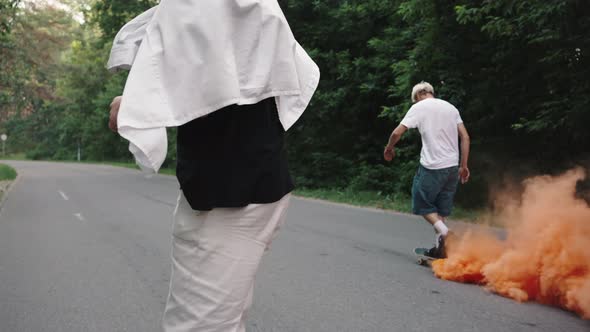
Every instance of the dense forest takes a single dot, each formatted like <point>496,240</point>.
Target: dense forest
<point>518,71</point>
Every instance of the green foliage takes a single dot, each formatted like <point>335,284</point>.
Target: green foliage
<point>517,70</point>
<point>7,172</point>
<point>541,46</point>
<point>8,9</point>
<point>111,15</point>
<point>380,200</point>
<point>73,111</point>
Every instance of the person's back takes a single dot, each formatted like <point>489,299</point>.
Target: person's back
<point>435,182</point>
<point>232,81</point>
<point>437,121</point>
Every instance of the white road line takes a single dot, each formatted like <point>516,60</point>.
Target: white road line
<point>79,216</point>
<point>63,195</point>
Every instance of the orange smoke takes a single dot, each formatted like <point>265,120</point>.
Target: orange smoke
<point>546,255</point>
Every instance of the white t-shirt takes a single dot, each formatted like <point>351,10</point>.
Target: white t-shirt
<point>437,122</point>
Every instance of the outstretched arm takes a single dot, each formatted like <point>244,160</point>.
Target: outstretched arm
<point>395,136</point>
<point>463,168</point>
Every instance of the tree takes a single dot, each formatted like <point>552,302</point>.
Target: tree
<point>38,34</point>
<point>111,15</point>
<point>517,70</point>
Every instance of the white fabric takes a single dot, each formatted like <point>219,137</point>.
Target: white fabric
<point>215,256</point>
<point>437,121</point>
<point>441,228</point>
<point>190,58</point>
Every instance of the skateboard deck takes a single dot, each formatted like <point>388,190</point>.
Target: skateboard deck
<point>422,258</point>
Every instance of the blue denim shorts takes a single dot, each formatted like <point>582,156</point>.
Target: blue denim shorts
<point>433,190</point>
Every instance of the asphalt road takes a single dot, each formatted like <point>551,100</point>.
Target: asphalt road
<point>86,248</point>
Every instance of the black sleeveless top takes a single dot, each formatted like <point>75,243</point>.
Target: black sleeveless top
<point>233,157</point>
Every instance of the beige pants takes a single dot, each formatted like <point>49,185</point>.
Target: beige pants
<point>215,256</point>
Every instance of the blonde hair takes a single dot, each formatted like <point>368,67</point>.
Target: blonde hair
<point>420,88</point>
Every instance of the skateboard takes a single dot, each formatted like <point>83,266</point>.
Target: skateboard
<point>422,258</point>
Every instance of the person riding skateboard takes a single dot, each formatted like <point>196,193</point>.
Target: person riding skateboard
<point>435,183</point>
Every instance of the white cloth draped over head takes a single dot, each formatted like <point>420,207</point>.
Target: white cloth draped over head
<point>188,58</point>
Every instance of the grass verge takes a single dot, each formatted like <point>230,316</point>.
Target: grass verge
<point>378,200</point>
<point>7,172</point>
<point>372,199</point>
<point>15,156</point>
<point>358,198</point>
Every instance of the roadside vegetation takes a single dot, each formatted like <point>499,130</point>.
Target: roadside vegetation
<point>517,71</point>
<point>7,173</point>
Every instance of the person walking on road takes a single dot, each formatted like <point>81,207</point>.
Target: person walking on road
<point>435,183</point>
<point>231,76</point>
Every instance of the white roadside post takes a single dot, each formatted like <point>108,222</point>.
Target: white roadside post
<point>3,137</point>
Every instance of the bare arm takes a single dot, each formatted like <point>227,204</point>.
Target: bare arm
<point>114,113</point>
<point>463,168</point>
<point>395,136</point>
